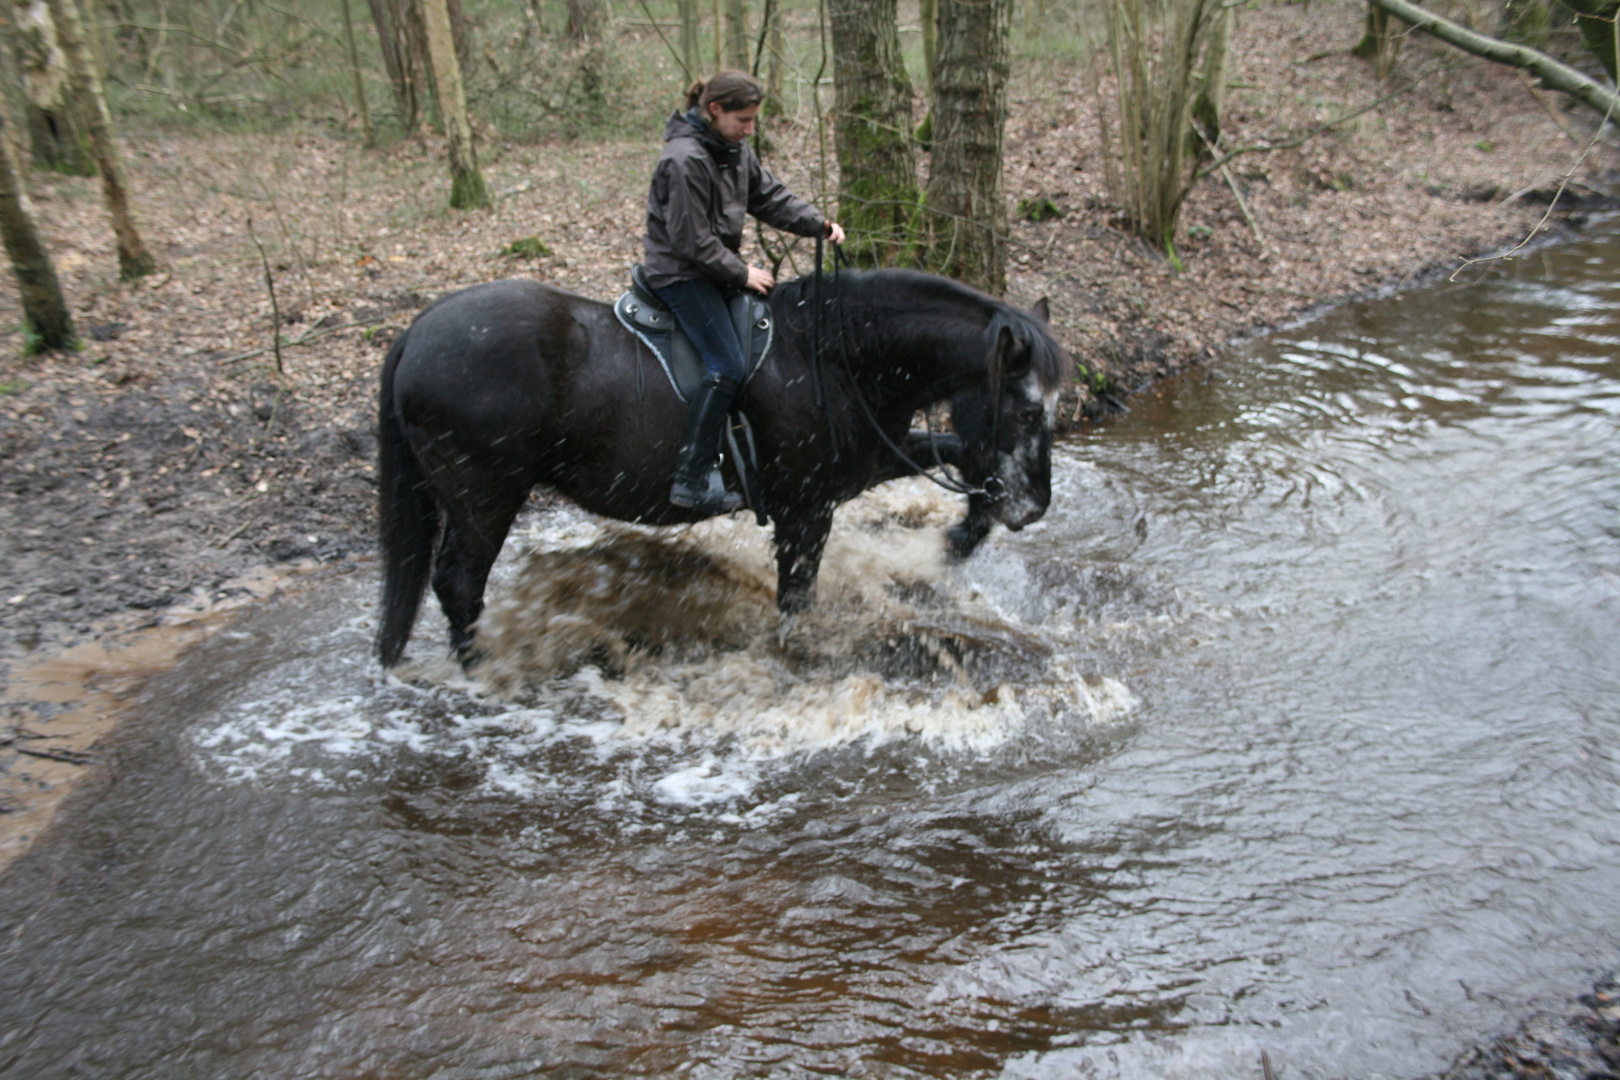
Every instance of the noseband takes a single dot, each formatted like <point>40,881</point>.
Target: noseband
<point>992,489</point>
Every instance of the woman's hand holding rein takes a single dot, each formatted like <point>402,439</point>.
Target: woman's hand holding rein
<point>763,281</point>
<point>760,279</point>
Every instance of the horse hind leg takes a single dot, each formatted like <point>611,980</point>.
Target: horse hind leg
<point>471,543</point>
<point>800,540</point>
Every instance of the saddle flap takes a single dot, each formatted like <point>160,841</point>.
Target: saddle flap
<point>644,292</point>
<point>655,325</point>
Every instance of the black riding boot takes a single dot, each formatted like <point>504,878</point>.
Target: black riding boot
<point>697,479</point>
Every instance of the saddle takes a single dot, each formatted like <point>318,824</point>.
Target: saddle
<point>642,313</point>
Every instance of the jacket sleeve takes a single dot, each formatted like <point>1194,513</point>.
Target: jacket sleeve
<point>771,202</point>
<point>693,236</point>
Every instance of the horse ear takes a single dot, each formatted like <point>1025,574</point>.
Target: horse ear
<point>1042,310</point>
<point>1012,354</point>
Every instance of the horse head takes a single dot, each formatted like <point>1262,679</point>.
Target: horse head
<point>1006,420</point>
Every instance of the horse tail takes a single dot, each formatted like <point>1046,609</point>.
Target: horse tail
<point>409,519</point>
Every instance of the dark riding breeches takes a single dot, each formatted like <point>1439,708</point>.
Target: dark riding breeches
<point>701,309</point>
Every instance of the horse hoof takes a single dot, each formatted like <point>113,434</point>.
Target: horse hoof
<point>465,651</point>
<point>961,541</point>
<point>785,628</point>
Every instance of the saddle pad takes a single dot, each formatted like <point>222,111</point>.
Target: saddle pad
<point>657,329</point>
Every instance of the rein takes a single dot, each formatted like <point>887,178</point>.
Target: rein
<point>992,488</point>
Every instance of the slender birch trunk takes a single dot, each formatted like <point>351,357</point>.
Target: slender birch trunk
<point>691,40</point>
<point>134,260</point>
<point>44,309</point>
<point>467,187</point>
<point>366,133</point>
<point>928,16</point>
<point>737,34</point>
<point>53,129</point>
<point>404,53</point>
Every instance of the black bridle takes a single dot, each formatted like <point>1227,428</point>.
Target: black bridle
<point>992,489</point>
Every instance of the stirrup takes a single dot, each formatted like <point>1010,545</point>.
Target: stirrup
<point>714,499</point>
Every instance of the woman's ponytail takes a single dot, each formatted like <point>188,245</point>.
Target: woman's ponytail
<point>734,90</point>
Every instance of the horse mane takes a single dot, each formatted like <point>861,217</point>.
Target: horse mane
<point>900,292</point>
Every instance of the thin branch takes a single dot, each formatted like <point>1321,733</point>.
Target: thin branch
<point>305,339</point>
<point>1237,193</point>
<point>275,309</point>
<point>1553,203</point>
<point>661,37</point>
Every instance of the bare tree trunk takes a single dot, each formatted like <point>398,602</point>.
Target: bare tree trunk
<point>12,95</point>
<point>1156,50</point>
<point>586,20</point>
<point>928,15</point>
<point>44,310</point>
<point>773,66</point>
<point>354,72</point>
<point>54,130</point>
<point>467,188</point>
<point>1380,42</point>
<point>1210,103</point>
<point>404,51</point>
<point>877,164</point>
<point>134,260</point>
<point>587,32</point>
<point>691,42</point>
<point>719,37</point>
<point>966,200</point>
<point>737,34</point>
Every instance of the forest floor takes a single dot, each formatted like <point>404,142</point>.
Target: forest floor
<point>169,471</point>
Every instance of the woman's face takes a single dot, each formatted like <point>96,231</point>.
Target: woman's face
<point>733,126</point>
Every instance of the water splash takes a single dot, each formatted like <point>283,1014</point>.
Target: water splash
<point>679,633</point>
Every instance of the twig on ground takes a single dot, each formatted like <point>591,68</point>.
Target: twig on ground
<point>275,309</point>
<point>238,531</point>
<point>305,339</point>
<point>70,757</point>
<point>1243,204</point>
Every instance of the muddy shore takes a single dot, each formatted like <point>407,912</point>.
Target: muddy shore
<point>169,472</point>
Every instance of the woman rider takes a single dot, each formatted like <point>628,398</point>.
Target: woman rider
<point>707,178</point>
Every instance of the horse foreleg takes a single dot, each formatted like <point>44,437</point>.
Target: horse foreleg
<point>472,541</point>
<point>964,537</point>
<point>800,539</point>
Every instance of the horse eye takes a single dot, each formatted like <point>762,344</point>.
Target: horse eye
<point>1033,415</point>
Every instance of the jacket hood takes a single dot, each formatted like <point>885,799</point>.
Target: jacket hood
<point>691,125</point>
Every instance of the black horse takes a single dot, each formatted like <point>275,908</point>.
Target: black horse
<point>503,386</point>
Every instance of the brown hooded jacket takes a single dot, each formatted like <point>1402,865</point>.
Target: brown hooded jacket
<point>701,188</point>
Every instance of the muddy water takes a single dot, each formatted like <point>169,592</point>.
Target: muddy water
<point>1291,729</point>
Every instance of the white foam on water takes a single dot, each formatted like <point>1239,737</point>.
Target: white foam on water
<point>677,633</point>
<point>651,660</point>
